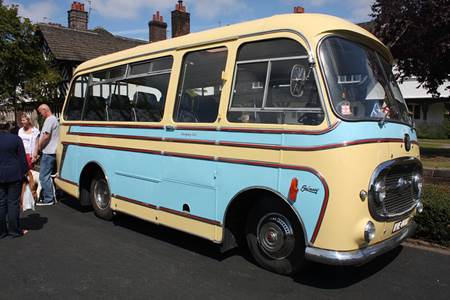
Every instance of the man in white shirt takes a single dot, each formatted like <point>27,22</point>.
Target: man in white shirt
<point>48,142</point>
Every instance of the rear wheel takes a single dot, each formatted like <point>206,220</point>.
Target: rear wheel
<point>101,197</point>
<point>275,238</point>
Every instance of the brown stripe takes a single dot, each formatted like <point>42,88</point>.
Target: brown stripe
<point>210,128</point>
<point>134,201</point>
<point>114,148</point>
<point>246,145</point>
<point>168,210</point>
<point>286,131</point>
<point>228,160</point>
<point>117,136</point>
<point>188,215</point>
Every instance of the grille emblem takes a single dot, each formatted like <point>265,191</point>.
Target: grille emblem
<point>403,184</point>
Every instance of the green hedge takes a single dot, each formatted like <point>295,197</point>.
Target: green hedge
<point>434,222</point>
<point>434,131</point>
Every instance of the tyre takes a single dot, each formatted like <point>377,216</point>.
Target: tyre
<point>101,197</point>
<point>275,237</point>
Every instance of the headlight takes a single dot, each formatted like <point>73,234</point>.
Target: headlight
<point>380,192</point>
<point>417,180</point>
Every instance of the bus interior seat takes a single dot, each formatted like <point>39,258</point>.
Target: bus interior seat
<point>75,108</point>
<point>185,112</point>
<point>119,108</point>
<point>95,109</point>
<point>206,109</point>
<point>146,107</point>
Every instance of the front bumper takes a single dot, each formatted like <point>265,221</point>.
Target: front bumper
<point>360,256</point>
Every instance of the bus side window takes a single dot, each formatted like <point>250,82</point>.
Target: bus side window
<point>200,86</point>
<point>95,106</point>
<point>75,101</point>
<point>274,84</point>
<point>140,99</point>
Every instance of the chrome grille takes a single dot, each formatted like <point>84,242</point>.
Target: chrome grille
<point>400,194</point>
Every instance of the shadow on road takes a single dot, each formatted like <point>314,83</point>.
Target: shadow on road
<point>33,221</point>
<point>173,237</point>
<point>313,274</point>
<point>74,203</point>
<point>337,277</point>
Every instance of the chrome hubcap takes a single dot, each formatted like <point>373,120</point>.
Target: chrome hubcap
<point>275,236</point>
<point>101,193</point>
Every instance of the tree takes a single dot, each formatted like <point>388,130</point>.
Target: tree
<point>418,35</point>
<point>24,72</point>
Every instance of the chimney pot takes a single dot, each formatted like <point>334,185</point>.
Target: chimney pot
<point>181,20</point>
<point>299,10</point>
<point>157,28</point>
<point>77,17</point>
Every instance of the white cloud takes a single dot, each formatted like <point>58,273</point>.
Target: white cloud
<point>37,12</point>
<point>210,9</point>
<point>128,9</point>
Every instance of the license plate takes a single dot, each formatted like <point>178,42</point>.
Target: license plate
<point>400,224</point>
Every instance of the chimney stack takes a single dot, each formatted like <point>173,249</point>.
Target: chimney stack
<point>78,18</point>
<point>181,20</point>
<point>157,28</point>
<point>299,10</point>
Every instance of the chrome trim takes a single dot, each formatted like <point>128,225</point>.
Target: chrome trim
<point>279,109</point>
<point>360,256</point>
<point>384,167</point>
<point>250,61</point>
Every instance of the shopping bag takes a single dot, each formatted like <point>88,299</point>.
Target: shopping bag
<point>27,198</point>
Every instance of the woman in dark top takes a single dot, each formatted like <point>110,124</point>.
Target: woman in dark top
<point>13,167</point>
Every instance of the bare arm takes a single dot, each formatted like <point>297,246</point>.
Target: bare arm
<point>43,140</point>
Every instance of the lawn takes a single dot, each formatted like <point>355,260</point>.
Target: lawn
<point>435,161</point>
<point>435,144</point>
<point>435,153</point>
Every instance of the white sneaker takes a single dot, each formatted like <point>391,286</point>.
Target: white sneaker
<point>45,203</point>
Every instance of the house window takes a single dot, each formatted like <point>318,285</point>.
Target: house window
<point>415,110</point>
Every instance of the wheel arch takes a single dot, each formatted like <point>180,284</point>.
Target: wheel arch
<point>86,175</point>
<point>238,209</point>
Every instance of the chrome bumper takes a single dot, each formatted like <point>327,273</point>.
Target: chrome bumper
<point>361,256</point>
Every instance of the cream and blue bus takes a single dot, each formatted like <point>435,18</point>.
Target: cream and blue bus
<point>287,135</point>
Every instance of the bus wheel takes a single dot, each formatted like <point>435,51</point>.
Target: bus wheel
<point>101,197</point>
<point>275,238</point>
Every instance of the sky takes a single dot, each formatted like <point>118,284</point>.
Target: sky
<point>130,18</point>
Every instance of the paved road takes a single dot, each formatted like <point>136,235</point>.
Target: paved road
<point>69,253</point>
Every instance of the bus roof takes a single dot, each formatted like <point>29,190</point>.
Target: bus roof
<point>311,26</point>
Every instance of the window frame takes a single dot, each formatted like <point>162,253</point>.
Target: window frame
<point>114,81</point>
<point>181,81</point>
<point>269,61</point>
<point>83,97</point>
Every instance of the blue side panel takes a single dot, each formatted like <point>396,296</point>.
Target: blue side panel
<point>346,131</point>
<point>310,196</point>
<point>208,186</point>
<point>70,168</point>
<point>234,178</point>
<point>188,181</point>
